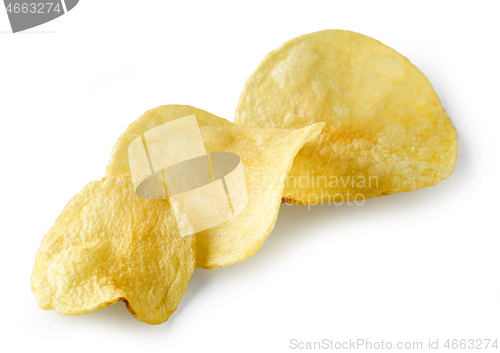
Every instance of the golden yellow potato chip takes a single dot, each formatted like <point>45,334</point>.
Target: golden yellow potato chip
<point>385,132</point>
<point>266,155</point>
<point>109,245</point>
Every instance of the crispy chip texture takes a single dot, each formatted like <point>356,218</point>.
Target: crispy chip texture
<point>109,245</point>
<point>267,156</point>
<point>385,132</point>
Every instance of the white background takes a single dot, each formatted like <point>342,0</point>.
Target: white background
<point>407,267</point>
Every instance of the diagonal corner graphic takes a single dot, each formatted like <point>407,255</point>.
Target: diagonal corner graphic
<point>25,14</point>
<point>204,189</point>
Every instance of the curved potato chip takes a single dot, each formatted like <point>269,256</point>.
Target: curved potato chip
<point>267,156</point>
<point>109,245</point>
<point>385,131</point>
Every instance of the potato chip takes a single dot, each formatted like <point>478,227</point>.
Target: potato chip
<point>109,245</point>
<point>266,155</point>
<point>385,131</point>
